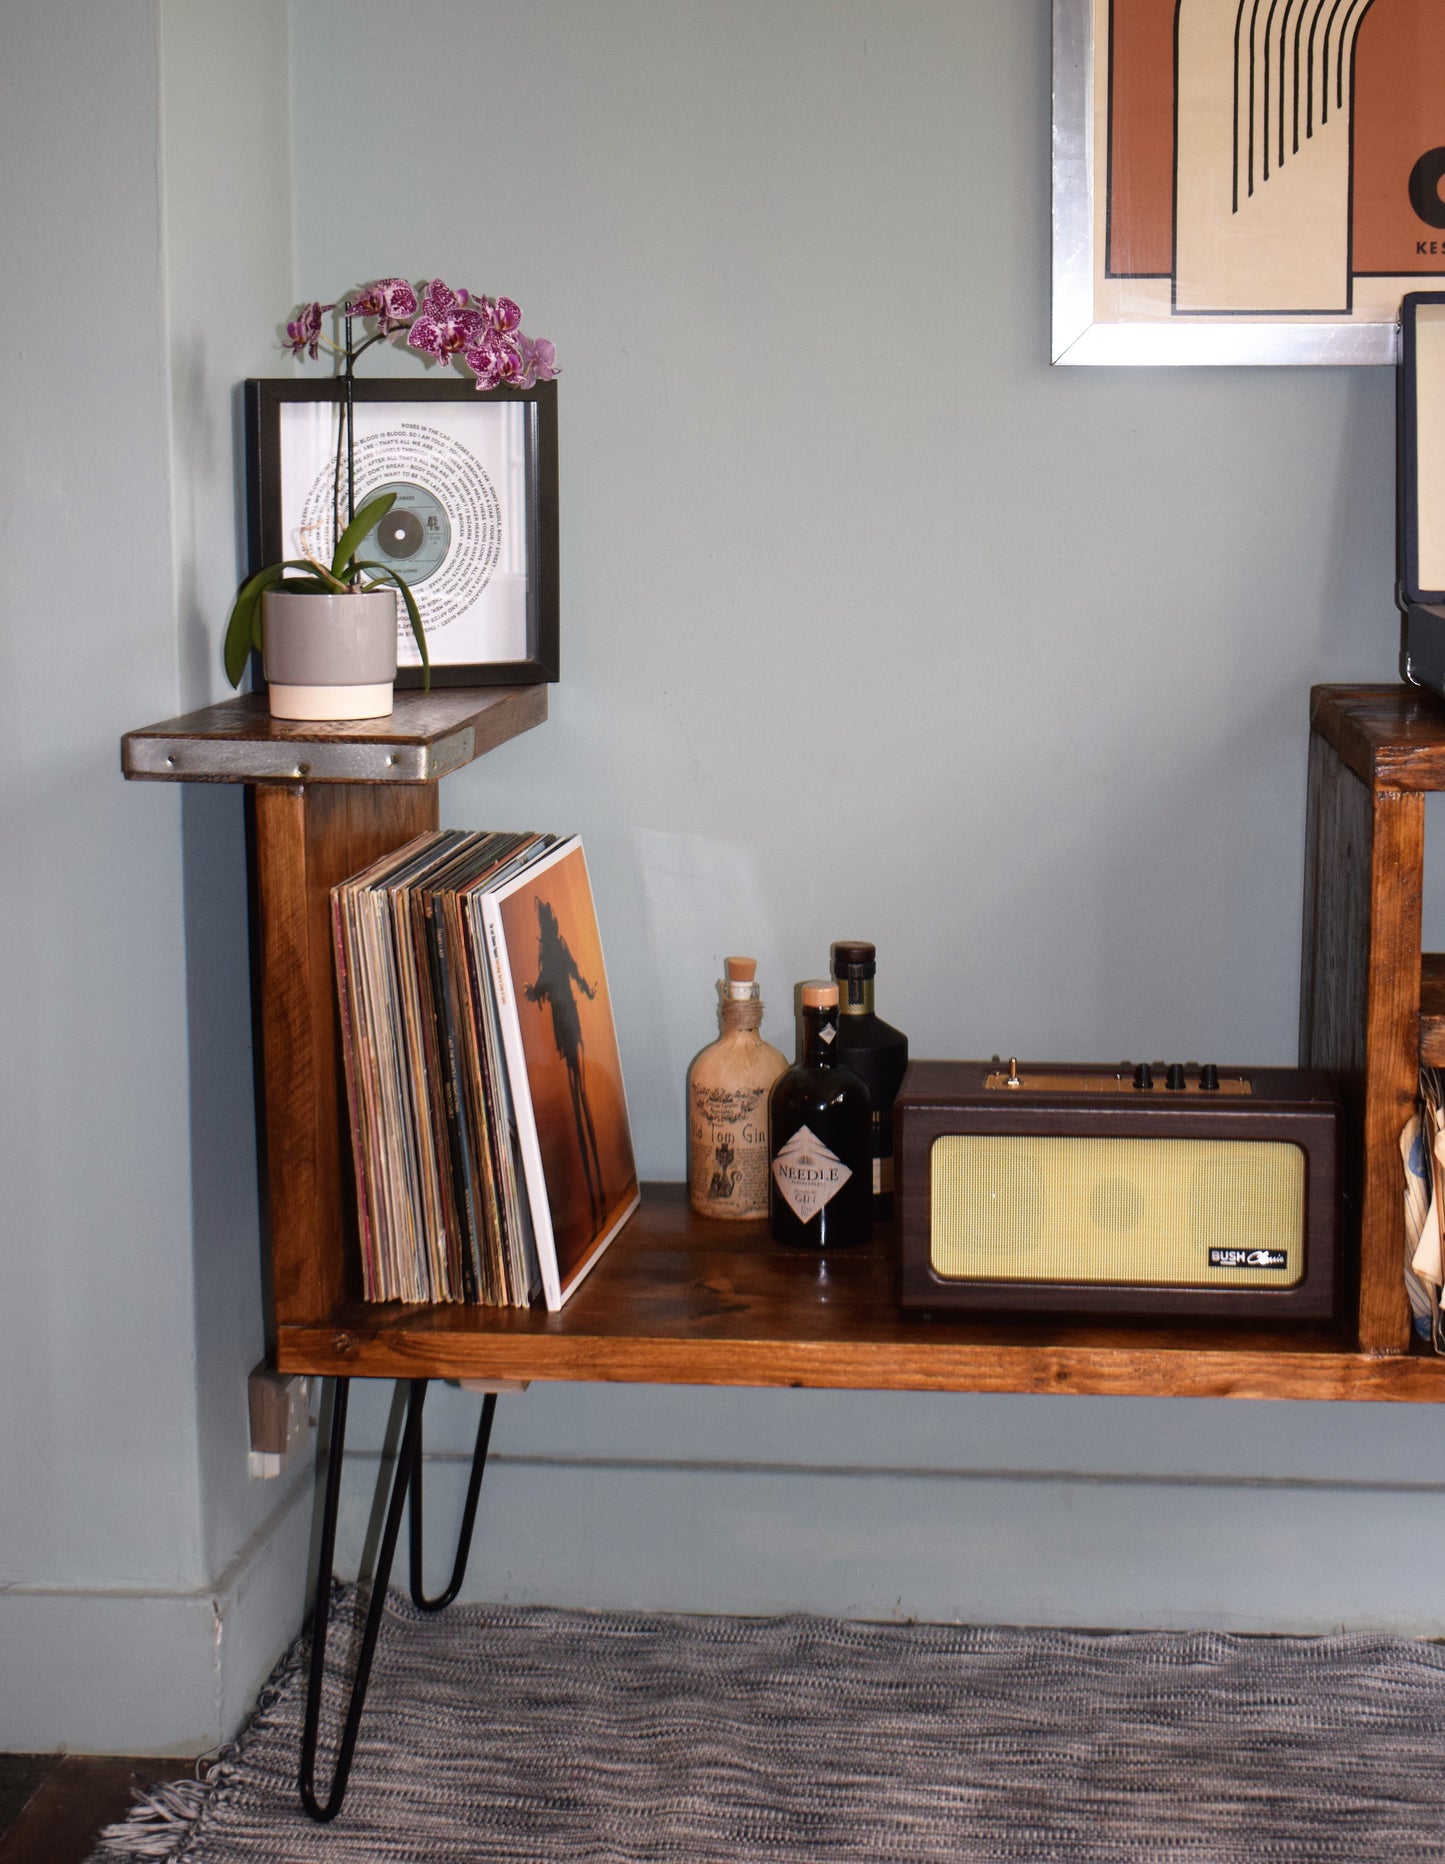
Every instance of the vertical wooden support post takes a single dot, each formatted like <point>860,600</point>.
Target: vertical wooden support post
<point>1360,1005</point>
<point>307,838</point>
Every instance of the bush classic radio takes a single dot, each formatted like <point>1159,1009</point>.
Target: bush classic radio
<point>1147,1190</point>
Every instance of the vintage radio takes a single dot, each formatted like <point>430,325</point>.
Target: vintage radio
<point>1148,1189</point>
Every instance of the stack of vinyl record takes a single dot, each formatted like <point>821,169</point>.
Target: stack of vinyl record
<point>489,1127</point>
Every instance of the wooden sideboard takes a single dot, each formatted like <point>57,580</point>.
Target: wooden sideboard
<point>677,1299</point>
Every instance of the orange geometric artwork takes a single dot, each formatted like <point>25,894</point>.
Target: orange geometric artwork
<point>1266,159</point>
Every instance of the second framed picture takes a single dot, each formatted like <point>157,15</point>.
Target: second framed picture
<point>473,528</point>
<point>1244,183</point>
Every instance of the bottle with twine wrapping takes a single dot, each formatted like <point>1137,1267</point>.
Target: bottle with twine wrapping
<point>727,1104</point>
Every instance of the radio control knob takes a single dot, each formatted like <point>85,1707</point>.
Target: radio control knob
<point>1209,1078</point>
<point>1174,1079</point>
<point>1143,1077</point>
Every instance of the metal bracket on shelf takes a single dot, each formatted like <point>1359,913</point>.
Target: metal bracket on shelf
<point>406,1480</point>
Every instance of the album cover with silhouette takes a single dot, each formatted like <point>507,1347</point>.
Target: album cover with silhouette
<point>563,1066</point>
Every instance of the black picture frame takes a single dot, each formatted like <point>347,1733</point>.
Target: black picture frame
<point>273,489</point>
<point>1411,417</point>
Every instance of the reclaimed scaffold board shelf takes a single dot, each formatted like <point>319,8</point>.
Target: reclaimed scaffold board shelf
<point>677,1299</point>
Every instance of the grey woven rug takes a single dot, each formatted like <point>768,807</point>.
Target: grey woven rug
<point>524,1736</point>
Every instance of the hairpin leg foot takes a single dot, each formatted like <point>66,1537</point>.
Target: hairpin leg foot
<point>406,1463</point>
<point>469,1516</point>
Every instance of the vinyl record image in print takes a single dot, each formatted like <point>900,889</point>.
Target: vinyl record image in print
<point>414,536</point>
<point>444,534</point>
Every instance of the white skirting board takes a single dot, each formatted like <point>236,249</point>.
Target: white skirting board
<point>153,1672</point>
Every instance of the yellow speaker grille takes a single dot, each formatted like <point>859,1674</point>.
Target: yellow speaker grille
<point>1204,1213</point>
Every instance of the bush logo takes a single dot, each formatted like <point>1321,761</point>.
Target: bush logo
<point>1249,1258</point>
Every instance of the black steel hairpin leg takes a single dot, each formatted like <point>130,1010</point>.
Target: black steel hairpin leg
<point>469,1517</point>
<point>406,1462</point>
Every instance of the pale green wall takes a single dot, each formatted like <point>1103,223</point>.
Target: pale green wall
<point>146,1583</point>
<point>875,625</point>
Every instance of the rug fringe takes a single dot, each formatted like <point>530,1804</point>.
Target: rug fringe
<point>160,1823</point>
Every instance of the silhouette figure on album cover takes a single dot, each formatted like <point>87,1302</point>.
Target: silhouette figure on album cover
<point>557,972</point>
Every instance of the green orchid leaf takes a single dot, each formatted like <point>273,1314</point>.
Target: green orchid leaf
<point>243,628</point>
<point>237,649</point>
<point>385,574</point>
<point>367,519</point>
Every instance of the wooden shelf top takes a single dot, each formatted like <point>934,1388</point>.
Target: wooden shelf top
<point>681,1300</point>
<point>427,736</point>
<point>1392,737</point>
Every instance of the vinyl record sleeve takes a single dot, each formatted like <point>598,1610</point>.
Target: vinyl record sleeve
<point>392,1207</point>
<point>565,1070</point>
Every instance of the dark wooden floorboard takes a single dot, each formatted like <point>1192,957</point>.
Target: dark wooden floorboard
<point>52,1806</point>
<point>20,1774</point>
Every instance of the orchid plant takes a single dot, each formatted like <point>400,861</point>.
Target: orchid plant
<point>348,574</point>
<point>482,335</point>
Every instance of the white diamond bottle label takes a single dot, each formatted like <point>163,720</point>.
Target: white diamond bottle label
<point>807,1174</point>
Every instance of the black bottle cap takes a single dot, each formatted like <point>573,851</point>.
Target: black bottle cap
<point>854,957</point>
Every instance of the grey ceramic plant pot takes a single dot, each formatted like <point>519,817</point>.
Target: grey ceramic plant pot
<point>329,656</point>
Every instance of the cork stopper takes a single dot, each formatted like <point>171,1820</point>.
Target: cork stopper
<point>820,995</point>
<point>738,983</point>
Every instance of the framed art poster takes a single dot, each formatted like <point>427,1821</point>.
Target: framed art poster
<point>473,529</point>
<point>1244,181</point>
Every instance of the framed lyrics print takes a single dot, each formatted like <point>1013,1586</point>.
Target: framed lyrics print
<point>473,529</point>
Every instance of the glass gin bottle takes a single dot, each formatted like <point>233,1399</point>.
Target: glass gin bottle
<point>822,1164</point>
<point>875,1051</point>
<point>727,1103</point>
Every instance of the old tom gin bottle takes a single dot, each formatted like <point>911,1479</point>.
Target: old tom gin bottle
<point>727,1104</point>
<point>822,1170</point>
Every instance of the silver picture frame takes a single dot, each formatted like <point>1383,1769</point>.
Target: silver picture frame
<point>1081,333</point>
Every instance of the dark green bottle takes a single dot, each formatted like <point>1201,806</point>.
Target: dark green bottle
<point>820,1139</point>
<point>875,1051</point>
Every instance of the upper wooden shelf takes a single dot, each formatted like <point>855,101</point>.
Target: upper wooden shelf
<point>427,736</point>
<point>678,1299</point>
<point>1392,737</point>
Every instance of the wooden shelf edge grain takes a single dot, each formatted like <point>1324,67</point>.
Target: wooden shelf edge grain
<point>680,1301</point>
<point>1391,737</point>
<point>427,736</point>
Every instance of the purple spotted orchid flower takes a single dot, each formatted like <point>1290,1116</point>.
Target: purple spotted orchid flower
<point>391,301</point>
<point>539,360</point>
<point>448,324</point>
<point>491,360</point>
<point>482,335</point>
<point>504,316</point>
<point>303,333</point>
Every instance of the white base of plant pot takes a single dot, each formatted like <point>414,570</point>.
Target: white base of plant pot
<point>330,702</point>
